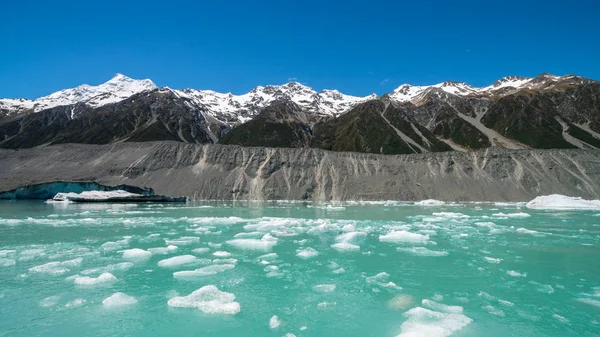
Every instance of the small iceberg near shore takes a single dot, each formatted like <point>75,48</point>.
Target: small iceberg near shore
<point>562,202</point>
<point>112,196</point>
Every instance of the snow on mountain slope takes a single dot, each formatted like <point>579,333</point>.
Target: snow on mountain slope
<point>239,108</point>
<point>505,85</point>
<point>117,89</point>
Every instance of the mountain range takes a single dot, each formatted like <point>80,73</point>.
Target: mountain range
<point>514,112</point>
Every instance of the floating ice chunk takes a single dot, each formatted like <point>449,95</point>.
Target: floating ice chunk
<point>31,254</point>
<point>250,235</point>
<point>433,305</point>
<point>429,202</point>
<point>492,260</point>
<point>270,256</point>
<point>118,299</point>
<point>7,252</point>
<point>561,202</point>
<point>76,303</point>
<point>163,250</point>
<point>110,268</point>
<point>307,253</point>
<point>103,278</point>
<point>437,297</point>
<point>353,237</point>
<point>527,231</point>
<point>114,245</point>
<point>422,322</point>
<point>324,288</point>
<point>177,261</point>
<point>208,299</point>
<point>50,301</point>
<point>274,322</point>
<point>339,271</point>
<point>215,245</point>
<point>348,228</point>
<point>422,251</point>
<point>345,247</point>
<point>201,251</point>
<point>7,262</point>
<point>204,271</point>
<point>289,334</point>
<point>515,273</point>
<point>493,310</point>
<point>543,288</point>
<point>264,244</point>
<point>182,241</point>
<point>225,261</point>
<point>512,215</point>
<point>57,268</point>
<point>136,254</point>
<point>506,303</point>
<point>560,318</point>
<point>589,301</point>
<point>94,195</point>
<point>221,254</point>
<point>485,224</point>
<point>400,302</point>
<point>326,306</point>
<point>451,215</point>
<point>303,328</point>
<point>403,237</point>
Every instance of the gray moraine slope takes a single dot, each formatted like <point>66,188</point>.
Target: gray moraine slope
<point>233,172</point>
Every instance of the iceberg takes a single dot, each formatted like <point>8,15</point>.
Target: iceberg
<point>562,202</point>
<point>112,196</point>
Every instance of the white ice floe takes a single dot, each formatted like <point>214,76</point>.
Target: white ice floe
<point>221,254</point>
<point>422,322</point>
<point>268,257</point>
<point>118,299</point>
<point>400,302</point>
<point>4,262</point>
<point>307,253</point>
<point>381,280</point>
<point>76,303</point>
<point>493,310</point>
<point>264,244</point>
<point>7,252</point>
<point>208,299</point>
<point>163,250</point>
<point>345,247</point>
<point>422,251</point>
<point>104,278</point>
<point>527,231</point>
<point>182,241</point>
<point>561,202</point>
<point>50,301</point>
<point>429,202</point>
<point>403,237</point>
<point>177,261</point>
<point>201,251</point>
<point>492,260</point>
<point>515,273</point>
<point>451,215</point>
<point>512,215</point>
<point>560,318</point>
<point>110,268</point>
<point>590,301</point>
<point>339,271</point>
<point>57,268</point>
<point>114,245</point>
<point>136,254</point>
<point>204,271</point>
<point>274,322</point>
<point>324,288</point>
<point>326,306</point>
<point>450,309</point>
<point>94,195</point>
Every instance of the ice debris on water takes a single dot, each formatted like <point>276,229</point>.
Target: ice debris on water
<point>208,299</point>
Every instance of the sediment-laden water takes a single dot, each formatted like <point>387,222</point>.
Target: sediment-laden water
<point>279,268</point>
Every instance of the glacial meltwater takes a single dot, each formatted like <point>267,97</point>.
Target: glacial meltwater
<point>298,269</point>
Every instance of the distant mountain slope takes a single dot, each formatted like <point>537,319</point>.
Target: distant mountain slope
<point>515,113</point>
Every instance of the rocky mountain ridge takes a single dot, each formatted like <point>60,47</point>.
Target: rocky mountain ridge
<point>515,113</point>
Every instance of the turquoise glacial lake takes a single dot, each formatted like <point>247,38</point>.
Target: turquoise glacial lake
<point>298,269</point>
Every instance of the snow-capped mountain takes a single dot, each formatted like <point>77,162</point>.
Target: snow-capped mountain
<point>503,86</point>
<point>116,89</point>
<point>240,108</point>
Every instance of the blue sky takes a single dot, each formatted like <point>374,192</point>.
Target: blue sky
<point>358,47</point>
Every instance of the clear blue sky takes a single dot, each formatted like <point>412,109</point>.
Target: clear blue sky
<point>358,47</point>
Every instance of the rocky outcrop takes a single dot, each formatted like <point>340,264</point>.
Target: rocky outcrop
<point>233,172</point>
